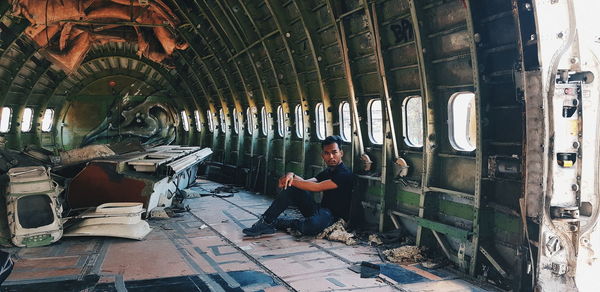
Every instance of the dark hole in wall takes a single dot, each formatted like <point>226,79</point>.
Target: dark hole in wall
<point>35,211</point>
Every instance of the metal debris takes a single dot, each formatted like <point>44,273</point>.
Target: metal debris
<point>405,254</point>
<point>337,232</point>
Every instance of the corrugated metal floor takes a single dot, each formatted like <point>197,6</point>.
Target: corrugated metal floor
<point>204,250</point>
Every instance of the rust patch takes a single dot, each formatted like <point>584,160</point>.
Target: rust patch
<point>99,183</point>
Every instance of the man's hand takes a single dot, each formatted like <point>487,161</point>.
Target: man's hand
<point>286,180</point>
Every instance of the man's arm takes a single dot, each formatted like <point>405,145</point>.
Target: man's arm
<point>312,185</point>
<point>286,180</point>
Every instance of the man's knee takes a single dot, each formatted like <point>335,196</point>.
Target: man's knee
<point>291,192</point>
<point>315,224</point>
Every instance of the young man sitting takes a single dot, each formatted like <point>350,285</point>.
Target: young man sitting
<point>336,184</point>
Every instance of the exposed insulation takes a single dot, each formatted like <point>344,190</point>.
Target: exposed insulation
<point>337,232</point>
<point>66,30</point>
<point>405,254</point>
<point>375,240</point>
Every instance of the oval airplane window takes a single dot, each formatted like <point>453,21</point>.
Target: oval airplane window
<point>47,120</point>
<point>280,122</point>
<point>250,119</point>
<point>222,120</point>
<point>197,120</point>
<point>462,129</point>
<point>412,116</point>
<point>185,122</point>
<point>299,121</point>
<point>27,120</point>
<point>375,121</point>
<point>345,121</point>
<point>211,121</point>
<point>264,121</point>
<point>5,119</point>
<point>320,120</point>
<point>236,121</point>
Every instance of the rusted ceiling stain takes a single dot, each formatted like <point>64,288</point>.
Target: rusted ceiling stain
<point>65,30</point>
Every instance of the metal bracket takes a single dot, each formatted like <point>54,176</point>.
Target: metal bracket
<point>564,213</point>
<point>559,269</point>
<point>553,245</point>
<point>493,261</point>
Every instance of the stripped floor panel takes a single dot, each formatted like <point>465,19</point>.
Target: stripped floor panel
<point>204,250</point>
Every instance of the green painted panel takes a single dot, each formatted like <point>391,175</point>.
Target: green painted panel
<point>444,228</point>
<point>374,189</point>
<point>456,209</point>
<point>408,198</point>
<point>506,222</point>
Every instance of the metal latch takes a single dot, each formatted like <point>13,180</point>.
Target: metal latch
<point>565,213</point>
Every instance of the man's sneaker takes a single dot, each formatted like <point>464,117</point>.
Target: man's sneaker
<point>261,227</point>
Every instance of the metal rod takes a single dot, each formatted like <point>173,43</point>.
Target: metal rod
<point>381,66</point>
<point>353,106</point>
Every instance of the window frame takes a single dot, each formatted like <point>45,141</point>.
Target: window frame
<point>236,121</point>
<point>320,129</point>
<point>405,129</point>
<point>264,121</point>
<point>222,120</point>
<point>299,121</point>
<point>370,121</point>
<point>451,131</point>
<point>23,122</point>
<point>8,121</point>
<point>197,121</point>
<point>185,122</point>
<point>280,121</point>
<point>48,129</point>
<point>210,120</point>
<point>250,119</point>
<point>342,121</point>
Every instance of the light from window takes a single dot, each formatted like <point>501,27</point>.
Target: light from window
<point>210,120</point>
<point>250,119</point>
<point>5,119</point>
<point>197,120</point>
<point>27,120</point>
<point>222,120</point>
<point>462,121</point>
<point>236,124</point>
<point>412,111</point>
<point>320,120</point>
<point>299,121</point>
<point>280,123</point>
<point>375,122</point>
<point>264,121</point>
<point>47,120</point>
<point>345,121</point>
<point>185,122</point>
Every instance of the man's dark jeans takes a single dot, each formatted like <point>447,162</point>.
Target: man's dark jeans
<point>315,218</point>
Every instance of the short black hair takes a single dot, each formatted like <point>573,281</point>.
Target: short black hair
<point>330,140</point>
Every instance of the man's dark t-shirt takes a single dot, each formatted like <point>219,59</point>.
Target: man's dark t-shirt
<point>338,200</point>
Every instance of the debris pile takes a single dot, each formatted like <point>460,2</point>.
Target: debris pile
<point>105,197</point>
<point>337,232</point>
<point>375,240</point>
<point>405,254</point>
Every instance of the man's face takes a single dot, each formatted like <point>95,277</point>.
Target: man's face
<point>332,154</point>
